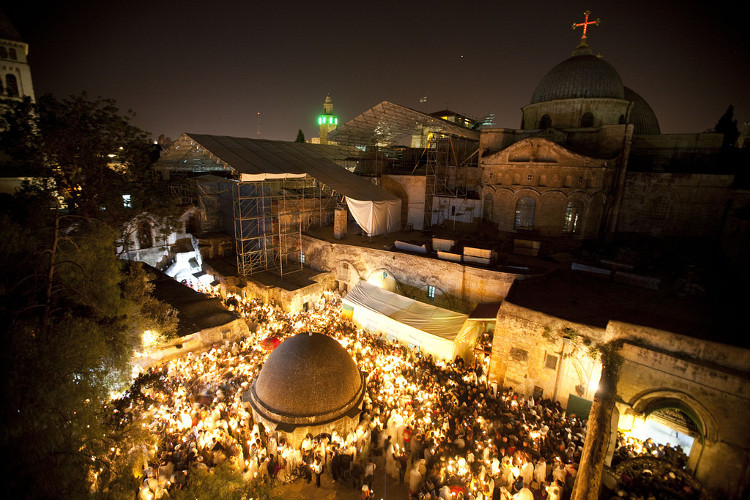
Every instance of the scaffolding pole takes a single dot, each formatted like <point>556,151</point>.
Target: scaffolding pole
<point>269,217</point>
<point>444,156</point>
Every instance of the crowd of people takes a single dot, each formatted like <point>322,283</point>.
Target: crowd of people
<point>434,425</point>
<point>631,447</point>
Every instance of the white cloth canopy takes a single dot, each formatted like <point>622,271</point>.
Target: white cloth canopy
<point>376,217</point>
<point>433,329</point>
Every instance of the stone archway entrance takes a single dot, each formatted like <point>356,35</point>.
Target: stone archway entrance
<point>675,410</point>
<point>679,427</point>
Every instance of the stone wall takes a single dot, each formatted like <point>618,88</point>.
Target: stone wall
<point>666,204</point>
<point>198,341</point>
<point>457,287</point>
<point>567,113</point>
<point>717,397</point>
<point>411,190</point>
<point>660,370</point>
<point>670,145</point>
<point>290,300</point>
<point>525,345</point>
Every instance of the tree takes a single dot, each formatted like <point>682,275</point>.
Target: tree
<point>727,125</point>
<point>300,136</point>
<point>85,150</point>
<point>223,481</point>
<point>589,477</point>
<point>68,345</point>
<point>598,429</point>
<point>72,315</point>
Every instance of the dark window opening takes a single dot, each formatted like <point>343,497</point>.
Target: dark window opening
<point>587,120</point>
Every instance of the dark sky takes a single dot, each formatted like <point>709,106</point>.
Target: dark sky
<point>210,67</point>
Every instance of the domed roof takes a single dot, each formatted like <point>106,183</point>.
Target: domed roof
<point>308,379</point>
<point>581,75</point>
<point>642,116</point>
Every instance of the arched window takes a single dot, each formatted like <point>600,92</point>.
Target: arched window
<point>621,121</point>
<point>573,217</point>
<point>145,237</point>
<point>587,120</point>
<point>12,53</point>
<point>487,207</point>
<point>3,53</point>
<point>11,85</point>
<point>525,209</point>
<point>545,122</point>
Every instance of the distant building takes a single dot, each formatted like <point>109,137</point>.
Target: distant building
<point>327,122</point>
<point>15,72</point>
<point>15,84</point>
<point>590,160</point>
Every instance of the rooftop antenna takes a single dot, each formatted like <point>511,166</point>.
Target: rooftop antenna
<point>258,133</point>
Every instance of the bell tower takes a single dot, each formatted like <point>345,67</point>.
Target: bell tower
<point>15,72</point>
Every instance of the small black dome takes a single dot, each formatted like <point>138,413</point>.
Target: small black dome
<point>642,116</point>
<point>581,75</point>
<point>309,378</point>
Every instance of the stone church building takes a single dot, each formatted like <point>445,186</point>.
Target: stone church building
<point>589,160</point>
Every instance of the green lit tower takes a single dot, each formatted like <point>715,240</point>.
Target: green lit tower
<point>327,121</point>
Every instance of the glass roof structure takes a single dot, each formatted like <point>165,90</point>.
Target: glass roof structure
<point>386,124</point>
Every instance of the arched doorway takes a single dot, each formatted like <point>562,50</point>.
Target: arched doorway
<point>668,417</point>
<point>668,429</point>
<point>573,217</point>
<point>658,445</point>
<point>145,235</point>
<point>384,279</point>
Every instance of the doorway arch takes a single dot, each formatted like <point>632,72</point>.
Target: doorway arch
<point>652,405</point>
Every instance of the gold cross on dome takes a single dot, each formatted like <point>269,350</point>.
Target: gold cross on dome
<point>585,25</point>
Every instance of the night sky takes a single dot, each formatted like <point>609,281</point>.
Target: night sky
<point>210,67</point>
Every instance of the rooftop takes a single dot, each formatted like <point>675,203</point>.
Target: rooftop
<point>308,379</point>
<point>227,266</point>
<point>196,311</point>
<point>387,124</point>
<point>582,298</point>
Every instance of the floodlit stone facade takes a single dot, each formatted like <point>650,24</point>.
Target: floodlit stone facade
<point>537,353</point>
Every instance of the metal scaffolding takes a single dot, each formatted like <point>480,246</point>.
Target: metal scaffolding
<point>269,217</point>
<point>444,154</point>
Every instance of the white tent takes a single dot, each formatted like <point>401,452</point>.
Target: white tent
<point>432,329</point>
<point>376,217</point>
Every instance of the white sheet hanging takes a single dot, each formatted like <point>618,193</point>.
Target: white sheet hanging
<point>376,217</point>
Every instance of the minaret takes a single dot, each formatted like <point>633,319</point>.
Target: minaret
<point>15,80</point>
<point>327,121</point>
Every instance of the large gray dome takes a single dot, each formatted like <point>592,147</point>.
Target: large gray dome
<point>308,379</point>
<point>581,75</point>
